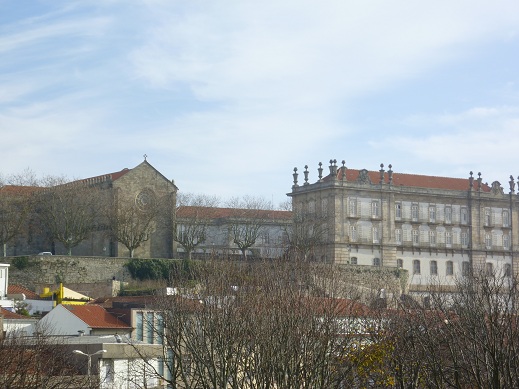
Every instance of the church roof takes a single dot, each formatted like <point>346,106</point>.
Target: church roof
<point>104,177</point>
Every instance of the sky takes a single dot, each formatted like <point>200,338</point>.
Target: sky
<point>227,97</point>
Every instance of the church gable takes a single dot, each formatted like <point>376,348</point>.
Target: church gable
<point>144,177</point>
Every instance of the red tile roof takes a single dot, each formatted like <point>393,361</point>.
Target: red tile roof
<point>7,314</point>
<point>18,289</point>
<point>108,302</point>
<point>19,189</point>
<point>104,177</point>
<point>414,180</point>
<point>96,316</point>
<point>217,213</point>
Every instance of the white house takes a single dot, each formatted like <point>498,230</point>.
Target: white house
<point>89,319</point>
<point>5,302</point>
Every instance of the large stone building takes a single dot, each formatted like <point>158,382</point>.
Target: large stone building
<point>225,230</point>
<point>436,228</point>
<point>130,191</point>
<point>121,201</point>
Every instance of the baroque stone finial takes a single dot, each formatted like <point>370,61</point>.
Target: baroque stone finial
<point>381,173</point>
<point>343,170</point>
<point>512,184</point>
<point>295,178</point>
<point>333,168</point>
<point>306,175</point>
<point>479,180</point>
<point>320,170</point>
<point>390,174</point>
<point>471,180</point>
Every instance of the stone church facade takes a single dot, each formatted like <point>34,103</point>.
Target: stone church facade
<point>140,185</point>
<point>436,228</point>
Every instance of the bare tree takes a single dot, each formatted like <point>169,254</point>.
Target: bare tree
<point>469,337</point>
<point>14,210</point>
<point>306,233</point>
<point>132,222</point>
<point>15,205</point>
<point>194,214</point>
<point>259,325</point>
<point>69,212</point>
<point>247,223</point>
<point>35,362</point>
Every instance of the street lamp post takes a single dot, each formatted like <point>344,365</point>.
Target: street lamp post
<point>89,356</point>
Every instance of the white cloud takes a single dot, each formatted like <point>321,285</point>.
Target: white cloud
<point>480,139</point>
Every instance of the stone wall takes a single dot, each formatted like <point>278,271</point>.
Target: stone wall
<point>35,271</point>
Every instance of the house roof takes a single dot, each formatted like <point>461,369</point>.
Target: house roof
<point>124,301</point>
<point>95,316</point>
<point>217,213</point>
<point>413,180</point>
<point>7,314</point>
<point>18,289</point>
<point>341,307</point>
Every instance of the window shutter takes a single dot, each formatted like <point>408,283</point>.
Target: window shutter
<point>407,234</point>
<point>406,210</point>
<point>423,212</point>
<point>439,212</point>
<point>365,210</point>
<point>440,236</point>
<point>497,217</point>
<point>456,236</point>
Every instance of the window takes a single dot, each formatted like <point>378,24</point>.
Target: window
<point>506,219</point>
<point>160,329</point>
<point>398,236</point>
<point>376,261</point>
<point>398,210</point>
<point>506,242</point>
<point>414,212</point>
<point>464,216</point>
<point>432,238</point>
<point>353,260</point>
<point>464,239</point>
<point>375,211</point>
<point>434,268</point>
<point>416,266</point>
<point>139,326</point>
<point>376,238</point>
<point>448,239</point>
<point>324,207</point>
<point>448,215</point>
<point>449,270</point>
<point>150,327</point>
<point>488,241</point>
<point>489,269</point>
<point>432,214</point>
<point>508,270</point>
<point>487,217</point>
<point>353,233</point>
<point>416,239</point>
<point>311,207</point>
<point>399,263</point>
<point>353,207</point>
<point>465,268</point>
